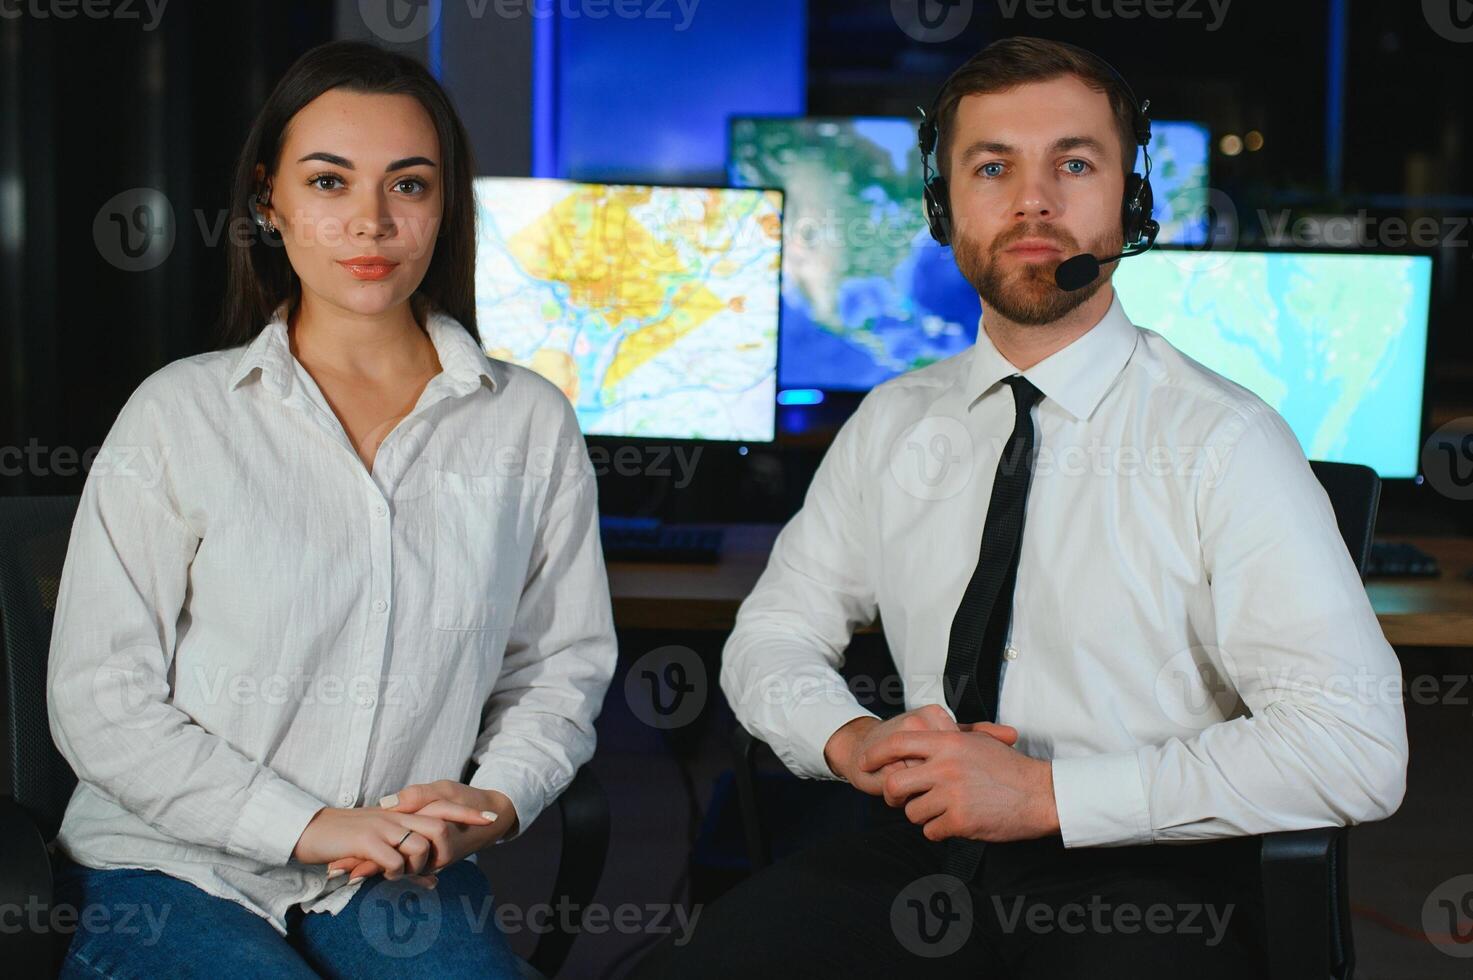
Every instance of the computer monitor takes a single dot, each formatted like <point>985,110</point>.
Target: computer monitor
<point>655,309</point>
<point>1179,180</point>
<point>867,294</point>
<point>1335,342</point>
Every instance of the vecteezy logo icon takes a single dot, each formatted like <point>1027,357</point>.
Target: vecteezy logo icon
<point>1218,216</point>
<point>932,21</point>
<point>134,229</point>
<point>1451,19</point>
<point>1447,459</point>
<point>126,683</point>
<point>932,459</point>
<point>666,688</point>
<point>1447,916</point>
<point>399,918</point>
<point>1193,690</point>
<point>399,21</point>
<point>932,916</point>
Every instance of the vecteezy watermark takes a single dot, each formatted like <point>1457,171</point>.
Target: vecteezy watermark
<point>142,463</point>
<point>38,460</point>
<point>1194,687</point>
<point>932,916</point>
<point>134,229</point>
<point>936,457</point>
<point>1447,459</point>
<point>1211,12</point>
<point>129,686</point>
<point>932,459</point>
<point>652,460</point>
<point>1447,917</point>
<point>150,12</point>
<point>1101,918</point>
<point>1362,230</point>
<point>595,918</point>
<point>404,691</point>
<point>1451,19</point>
<point>1202,684</point>
<point>488,456</point>
<point>143,922</point>
<point>404,21</point>
<point>932,21</point>
<point>667,687</point>
<point>401,918</point>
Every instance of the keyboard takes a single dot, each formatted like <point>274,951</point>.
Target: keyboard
<point>650,539</point>
<point>1397,559</point>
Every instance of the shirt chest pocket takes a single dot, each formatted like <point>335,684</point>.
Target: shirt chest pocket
<point>482,540</point>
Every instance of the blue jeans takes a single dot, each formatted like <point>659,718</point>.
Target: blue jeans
<point>135,923</point>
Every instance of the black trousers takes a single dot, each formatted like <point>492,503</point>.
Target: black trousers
<point>876,904</point>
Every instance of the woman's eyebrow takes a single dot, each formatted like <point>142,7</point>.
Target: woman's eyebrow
<point>347,164</point>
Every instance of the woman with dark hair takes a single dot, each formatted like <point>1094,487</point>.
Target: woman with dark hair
<point>334,615</point>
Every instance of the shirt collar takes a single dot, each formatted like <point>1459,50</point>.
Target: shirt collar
<point>462,361</point>
<point>1076,377</point>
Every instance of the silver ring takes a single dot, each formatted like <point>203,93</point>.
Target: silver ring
<point>403,839</point>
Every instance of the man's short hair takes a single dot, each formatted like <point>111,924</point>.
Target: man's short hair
<point>1014,61</point>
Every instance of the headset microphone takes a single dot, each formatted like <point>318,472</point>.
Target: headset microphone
<point>1077,271</point>
<point>1081,270</point>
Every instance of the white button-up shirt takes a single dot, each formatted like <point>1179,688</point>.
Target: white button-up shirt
<point>251,625</point>
<point>1190,642</point>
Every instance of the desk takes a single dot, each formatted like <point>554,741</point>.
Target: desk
<point>1429,612</point>
<point>1413,612</point>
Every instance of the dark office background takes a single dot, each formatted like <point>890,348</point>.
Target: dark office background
<point>94,107</point>
<point>97,106</point>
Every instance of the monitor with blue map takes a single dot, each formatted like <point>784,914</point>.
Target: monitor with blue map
<point>1335,342</point>
<point>654,309</point>
<point>867,294</point>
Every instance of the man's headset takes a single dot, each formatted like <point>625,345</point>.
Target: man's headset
<point>1135,210</point>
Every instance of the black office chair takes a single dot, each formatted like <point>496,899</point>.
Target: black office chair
<point>1304,872</point>
<point>34,532</point>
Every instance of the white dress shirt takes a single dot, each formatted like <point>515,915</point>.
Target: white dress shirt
<point>1190,642</point>
<point>251,626</point>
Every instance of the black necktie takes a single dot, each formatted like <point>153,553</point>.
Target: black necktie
<point>974,656</point>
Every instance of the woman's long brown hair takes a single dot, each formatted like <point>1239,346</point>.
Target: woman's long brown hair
<point>258,276</point>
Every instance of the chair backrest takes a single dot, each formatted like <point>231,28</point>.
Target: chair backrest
<point>34,532</point>
<point>1355,495</point>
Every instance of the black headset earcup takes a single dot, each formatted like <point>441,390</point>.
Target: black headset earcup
<point>938,216</point>
<point>1135,208</point>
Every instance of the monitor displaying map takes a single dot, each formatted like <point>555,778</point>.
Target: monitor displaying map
<point>1336,343</point>
<point>655,309</point>
<point>867,294</point>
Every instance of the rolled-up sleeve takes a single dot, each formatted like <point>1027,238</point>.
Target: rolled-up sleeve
<point>537,726</point>
<point>779,668</point>
<point>111,713</point>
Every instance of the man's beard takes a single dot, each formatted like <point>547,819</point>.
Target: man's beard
<point>1028,294</point>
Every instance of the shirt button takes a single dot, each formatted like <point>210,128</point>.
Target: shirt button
<point>345,800</point>
<point>380,509</point>
<point>379,605</point>
<point>367,701</point>
<point>1010,654</point>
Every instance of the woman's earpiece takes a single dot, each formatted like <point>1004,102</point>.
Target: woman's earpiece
<point>260,201</point>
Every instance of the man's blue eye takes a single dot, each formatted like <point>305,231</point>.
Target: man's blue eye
<point>1083,166</point>
<point>992,169</point>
